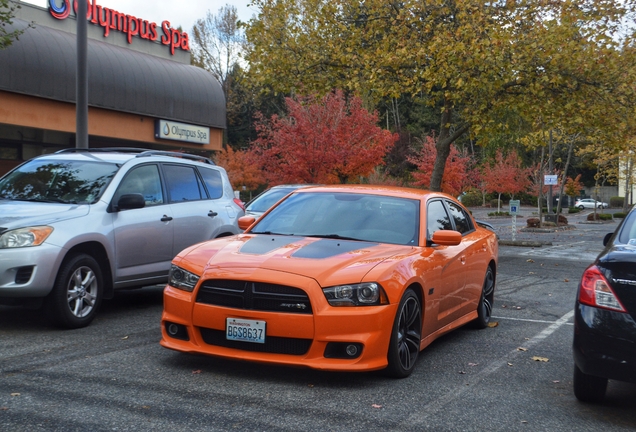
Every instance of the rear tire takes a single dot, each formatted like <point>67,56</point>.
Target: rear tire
<point>404,347</point>
<point>589,388</point>
<point>77,293</point>
<point>484,307</point>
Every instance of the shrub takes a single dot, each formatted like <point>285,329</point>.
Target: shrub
<point>616,202</point>
<point>549,224</point>
<point>533,222</point>
<point>605,216</point>
<point>620,215</point>
<point>472,199</point>
<point>573,210</point>
<point>501,213</point>
<point>494,203</point>
<point>599,216</point>
<point>554,209</point>
<point>562,220</point>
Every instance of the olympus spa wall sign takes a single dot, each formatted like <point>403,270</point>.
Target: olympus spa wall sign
<point>110,19</point>
<point>176,131</point>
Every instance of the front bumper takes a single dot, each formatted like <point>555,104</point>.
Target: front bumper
<point>304,337</point>
<point>605,343</point>
<point>29,271</point>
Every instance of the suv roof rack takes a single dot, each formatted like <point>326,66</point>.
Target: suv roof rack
<point>141,153</point>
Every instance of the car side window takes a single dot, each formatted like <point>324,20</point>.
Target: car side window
<point>436,218</point>
<point>213,181</point>
<point>144,180</point>
<point>462,221</point>
<point>183,183</point>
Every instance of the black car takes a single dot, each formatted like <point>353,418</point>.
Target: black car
<point>605,316</point>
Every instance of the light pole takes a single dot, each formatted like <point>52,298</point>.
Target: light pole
<point>81,85</point>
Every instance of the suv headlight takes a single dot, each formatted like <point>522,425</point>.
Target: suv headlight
<point>364,294</point>
<point>25,237</point>
<point>182,279</point>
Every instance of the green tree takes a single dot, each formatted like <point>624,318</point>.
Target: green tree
<point>474,61</point>
<point>7,12</point>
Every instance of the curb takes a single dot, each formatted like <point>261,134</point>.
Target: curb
<point>524,243</point>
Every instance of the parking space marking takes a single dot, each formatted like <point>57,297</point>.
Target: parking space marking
<point>420,416</point>
<point>530,320</point>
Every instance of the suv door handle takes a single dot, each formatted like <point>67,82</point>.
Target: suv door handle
<point>212,213</point>
<point>166,218</point>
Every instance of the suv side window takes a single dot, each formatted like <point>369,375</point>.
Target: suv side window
<point>144,180</point>
<point>213,181</point>
<point>183,183</point>
<point>462,222</point>
<point>436,218</point>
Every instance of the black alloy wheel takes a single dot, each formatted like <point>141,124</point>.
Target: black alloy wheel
<point>484,307</point>
<point>404,347</point>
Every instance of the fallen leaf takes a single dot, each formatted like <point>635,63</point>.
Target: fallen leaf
<point>376,406</point>
<point>462,372</point>
<point>518,307</point>
<point>310,385</point>
<point>493,324</point>
<point>556,381</point>
<point>539,359</point>
<point>509,364</point>
<point>145,407</point>
<point>566,280</point>
<point>198,371</point>
<point>530,261</point>
<point>4,408</point>
<point>473,364</point>
<point>524,421</point>
<point>531,273</point>
<point>522,349</point>
<point>15,394</point>
<point>124,338</point>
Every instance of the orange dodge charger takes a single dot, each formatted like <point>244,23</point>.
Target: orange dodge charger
<point>349,277</point>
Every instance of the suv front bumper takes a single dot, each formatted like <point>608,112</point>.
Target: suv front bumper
<point>28,271</point>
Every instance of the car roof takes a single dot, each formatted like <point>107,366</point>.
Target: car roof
<point>395,191</point>
<point>120,155</point>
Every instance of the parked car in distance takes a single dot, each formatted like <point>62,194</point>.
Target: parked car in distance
<point>79,224</point>
<point>590,203</point>
<point>341,278</point>
<point>263,201</point>
<point>604,344</point>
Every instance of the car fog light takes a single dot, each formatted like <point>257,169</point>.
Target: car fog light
<point>173,329</point>
<point>352,350</point>
<point>177,331</point>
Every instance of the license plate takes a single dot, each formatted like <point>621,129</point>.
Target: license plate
<point>245,330</point>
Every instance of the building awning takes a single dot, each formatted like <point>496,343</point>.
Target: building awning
<point>42,63</point>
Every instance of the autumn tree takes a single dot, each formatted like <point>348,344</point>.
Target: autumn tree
<point>505,175</point>
<point>458,171</point>
<point>573,186</point>
<point>326,140</point>
<point>471,60</point>
<point>241,170</point>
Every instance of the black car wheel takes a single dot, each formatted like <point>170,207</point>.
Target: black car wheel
<point>77,293</point>
<point>589,388</point>
<point>484,308</point>
<point>406,336</point>
<point>581,207</point>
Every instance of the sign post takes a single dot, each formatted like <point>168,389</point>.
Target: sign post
<point>514,211</point>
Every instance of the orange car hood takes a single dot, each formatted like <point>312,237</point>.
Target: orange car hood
<point>325,260</point>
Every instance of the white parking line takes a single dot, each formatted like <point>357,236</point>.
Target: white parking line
<point>420,416</point>
<point>530,320</point>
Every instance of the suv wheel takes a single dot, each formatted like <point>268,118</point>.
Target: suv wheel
<point>77,293</point>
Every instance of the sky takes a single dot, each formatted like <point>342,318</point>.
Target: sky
<point>182,13</point>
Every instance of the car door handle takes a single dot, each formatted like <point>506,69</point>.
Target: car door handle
<point>212,213</point>
<point>463,259</point>
<point>166,218</point>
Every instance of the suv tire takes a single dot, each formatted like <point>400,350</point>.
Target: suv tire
<point>77,293</point>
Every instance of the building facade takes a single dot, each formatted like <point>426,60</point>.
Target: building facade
<point>142,90</point>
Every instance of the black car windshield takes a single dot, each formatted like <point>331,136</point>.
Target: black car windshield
<point>71,182</point>
<point>267,199</point>
<point>352,216</point>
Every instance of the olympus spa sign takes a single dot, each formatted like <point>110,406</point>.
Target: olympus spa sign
<point>110,19</point>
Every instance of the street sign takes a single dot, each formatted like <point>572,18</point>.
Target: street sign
<point>514,207</point>
<point>551,180</point>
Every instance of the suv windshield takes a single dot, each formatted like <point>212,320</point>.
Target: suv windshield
<point>71,182</point>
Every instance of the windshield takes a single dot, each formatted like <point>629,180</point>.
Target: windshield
<point>364,217</point>
<point>70,182</point>
<point>267,199</point>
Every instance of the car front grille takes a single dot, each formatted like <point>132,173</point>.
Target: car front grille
<point>273,344</point>
<point>254,296</point>
<point>23,275</point>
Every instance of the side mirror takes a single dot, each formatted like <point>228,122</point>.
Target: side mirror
<point>447,238</point>
<point>607,238</point>
<point>131,201</point>
<point>245,222</point>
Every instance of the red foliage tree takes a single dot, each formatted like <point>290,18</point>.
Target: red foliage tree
<point>320,141</point>
<point>458,173</point>
<point>241,170</point>
<point>505,175</point>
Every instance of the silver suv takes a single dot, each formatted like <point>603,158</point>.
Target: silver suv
<point>78,224</point>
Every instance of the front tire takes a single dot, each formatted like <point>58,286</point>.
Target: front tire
<point>581,207</point>
<point>484,307</point>
<point>589,388</point>
<point>77,293</point>
<point>404,347</point>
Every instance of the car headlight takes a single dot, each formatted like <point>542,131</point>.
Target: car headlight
<point>364,294</point>
<point>25,237</point>
<point>182,279</point>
